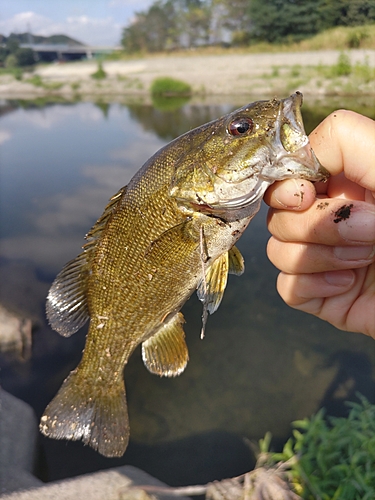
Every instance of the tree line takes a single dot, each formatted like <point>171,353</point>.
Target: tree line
<point>173,24</point>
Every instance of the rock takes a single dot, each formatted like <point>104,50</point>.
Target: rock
<point>18,441</point>
<point>113,484</point>
<point>15,333</point>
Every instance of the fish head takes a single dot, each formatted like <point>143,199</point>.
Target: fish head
<point>230,162</point>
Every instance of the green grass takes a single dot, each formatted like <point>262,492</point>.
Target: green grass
<point>331,458</point>
<point>343,77</point>
<point>37,81</point>
<point>99,74</point>
<point>166,86</point>
<point>16,72</point>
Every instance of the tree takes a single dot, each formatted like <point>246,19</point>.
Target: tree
<point>25,57</point>
<point>235,18</point>
<point>279,20</point>
<point>345,12</point>
<point>195,21</point>
<point>12,55</point>
<point>153,30</point>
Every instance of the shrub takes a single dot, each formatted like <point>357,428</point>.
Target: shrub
<point>166,86</point>
<point>11,61</point>
<point>343,67</point>
<point>355,38</point>
<point>99,74</point>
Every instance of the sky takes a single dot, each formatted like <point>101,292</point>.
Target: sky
<point>94,22</point>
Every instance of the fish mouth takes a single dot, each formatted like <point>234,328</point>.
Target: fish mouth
<point>288,155</point>
<point>291,153</point>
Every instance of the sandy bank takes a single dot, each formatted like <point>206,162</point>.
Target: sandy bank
<point>264,74</point>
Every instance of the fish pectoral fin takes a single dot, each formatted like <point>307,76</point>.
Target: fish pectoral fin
<point>66,305</point>
<point>166,353</point>
<point>178,240</point>
<point>236,262</point>
<point>211,289</point>
<point>83,409</point>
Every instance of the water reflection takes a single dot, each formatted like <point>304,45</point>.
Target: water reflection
<point>261,364</point>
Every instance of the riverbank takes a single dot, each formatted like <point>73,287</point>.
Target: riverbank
<point>315,73</point>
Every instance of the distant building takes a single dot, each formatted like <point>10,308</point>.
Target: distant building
<point>56,47</point>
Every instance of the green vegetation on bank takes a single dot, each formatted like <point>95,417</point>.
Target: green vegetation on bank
<point>166,86</point>
<point>341,78</point>
<point>330,458</point>
<point>99,74</point>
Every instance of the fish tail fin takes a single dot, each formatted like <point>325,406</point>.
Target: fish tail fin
<point>84,410</point>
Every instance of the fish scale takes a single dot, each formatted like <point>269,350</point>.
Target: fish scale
<point>170,232</point>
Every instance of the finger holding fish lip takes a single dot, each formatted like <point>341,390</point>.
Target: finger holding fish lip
<point>291,194</point>
<point>333,140</point>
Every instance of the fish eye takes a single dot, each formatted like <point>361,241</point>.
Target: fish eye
<point>240,126</point>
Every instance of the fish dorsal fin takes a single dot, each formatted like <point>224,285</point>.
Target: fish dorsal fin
<point>166,353</point>
<point>66,306</point>
<point>236,262</point>
<point>97,229</point>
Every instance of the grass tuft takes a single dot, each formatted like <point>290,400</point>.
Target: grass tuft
<point>166,86</point>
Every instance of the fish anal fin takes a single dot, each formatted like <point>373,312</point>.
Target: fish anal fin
<point>211,288</point>
<point>166,353</point>
<point>95,414</point>
<point>66,305</point>
<point>236,262</point>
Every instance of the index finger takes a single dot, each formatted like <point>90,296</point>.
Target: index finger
<point>345,142</point>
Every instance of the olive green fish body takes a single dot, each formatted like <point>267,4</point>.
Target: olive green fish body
<point>170,232</point>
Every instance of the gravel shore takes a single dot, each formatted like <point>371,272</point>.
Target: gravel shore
<point>224,74</point>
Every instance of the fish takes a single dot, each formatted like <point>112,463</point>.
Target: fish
<point>171,231</point>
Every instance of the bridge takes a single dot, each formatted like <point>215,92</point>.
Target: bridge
<point>63,52</point>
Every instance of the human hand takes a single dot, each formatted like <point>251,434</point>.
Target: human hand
<point>323,241</point>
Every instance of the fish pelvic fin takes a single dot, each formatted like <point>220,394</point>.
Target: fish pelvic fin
<point>236,262</point>
<point>95,414</point>
<point>211,289</point>
<point>166,353</point>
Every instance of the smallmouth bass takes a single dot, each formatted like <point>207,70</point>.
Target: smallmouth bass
<point>169,232</point>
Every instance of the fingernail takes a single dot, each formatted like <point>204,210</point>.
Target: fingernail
<point>359,226</point>
<point>339,278</point>
<point>290,194</point>
<point>354,253</point>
